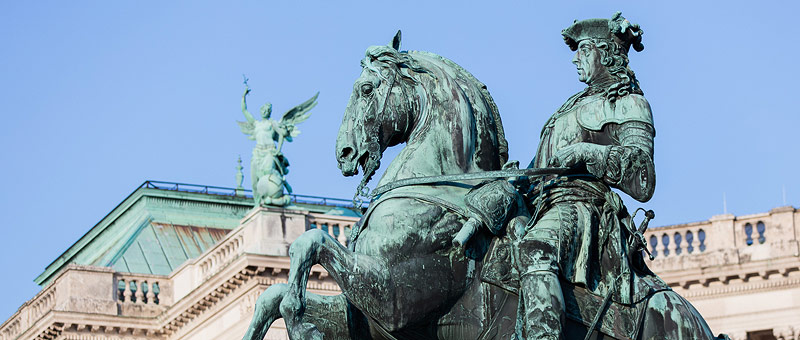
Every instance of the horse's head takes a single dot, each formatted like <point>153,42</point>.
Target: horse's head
<point>378,114</point>
<point>447,117</point>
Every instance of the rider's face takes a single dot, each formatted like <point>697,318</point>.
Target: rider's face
<point>588,61</point>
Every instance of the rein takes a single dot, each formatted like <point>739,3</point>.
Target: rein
<point>449,179</point>
<point>374,150</point>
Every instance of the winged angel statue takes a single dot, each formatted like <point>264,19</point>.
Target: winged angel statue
<point>269,166</point>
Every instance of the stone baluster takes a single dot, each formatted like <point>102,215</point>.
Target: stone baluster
<point>342,234</point>
<point>701,240</point>
<point>785,333</point>
<point>677,240</point>
<point>139,294</point>
<point>126,294</point>
<point>673,246</point>
<point>330,229</point>
<point>686,244</point>
<point>151,295</point>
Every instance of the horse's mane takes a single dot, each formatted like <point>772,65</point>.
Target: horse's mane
<point>490,119</point>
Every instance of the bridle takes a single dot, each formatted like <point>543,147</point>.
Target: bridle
<point>373,149</point>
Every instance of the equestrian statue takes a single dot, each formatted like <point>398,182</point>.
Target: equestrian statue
<point>460,243</point>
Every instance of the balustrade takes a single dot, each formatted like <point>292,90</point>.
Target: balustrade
<point>222,254</point>
<point>338,229</point>
<point>143,291</point>
<point>677,242</point>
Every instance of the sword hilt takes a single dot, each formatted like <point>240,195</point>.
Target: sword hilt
<point>639,242</point>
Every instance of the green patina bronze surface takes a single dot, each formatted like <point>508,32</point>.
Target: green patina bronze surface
<point>269,166</point>
<point>550,255</point>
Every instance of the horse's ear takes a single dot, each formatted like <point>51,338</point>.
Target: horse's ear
<point>396,40</point>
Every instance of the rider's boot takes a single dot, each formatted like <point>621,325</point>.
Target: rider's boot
<point>541,300</point>
<point>543,306</point>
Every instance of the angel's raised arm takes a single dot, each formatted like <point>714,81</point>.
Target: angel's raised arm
<point>247,114</point>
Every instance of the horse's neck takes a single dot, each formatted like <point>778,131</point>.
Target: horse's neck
<point>441,144</point>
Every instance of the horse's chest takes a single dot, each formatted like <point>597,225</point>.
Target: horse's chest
<point>407,227</point>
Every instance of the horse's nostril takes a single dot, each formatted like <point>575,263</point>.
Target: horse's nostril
<point>346,152</point>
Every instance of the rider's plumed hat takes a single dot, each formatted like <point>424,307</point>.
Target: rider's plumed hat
<point>617,29</point>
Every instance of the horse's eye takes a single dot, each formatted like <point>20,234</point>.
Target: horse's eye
<point>366,89</point>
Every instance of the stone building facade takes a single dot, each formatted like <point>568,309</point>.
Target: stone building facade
<point>741,272</point>
<point>180,262</point>
<point>174,261</point>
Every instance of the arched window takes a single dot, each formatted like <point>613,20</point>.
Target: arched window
<point>748,233</point>
<point>760,227</point>
<point>701,235</point>
<point>665,243</point>
<point>677,238</point>
<point>689,239</point>
<point>653,245</point>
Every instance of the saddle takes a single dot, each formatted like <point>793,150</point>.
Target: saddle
<point>621,321</point>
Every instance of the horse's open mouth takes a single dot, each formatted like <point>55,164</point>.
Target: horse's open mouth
<point>362,161</point>
<point>350,168</point>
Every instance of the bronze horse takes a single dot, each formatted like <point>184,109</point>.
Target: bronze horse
<point>402,277</point>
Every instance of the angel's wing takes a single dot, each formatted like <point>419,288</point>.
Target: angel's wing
<point>299,113</point>
<point>247,128</point>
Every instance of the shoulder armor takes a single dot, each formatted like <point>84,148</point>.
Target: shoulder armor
<point>633,107</point>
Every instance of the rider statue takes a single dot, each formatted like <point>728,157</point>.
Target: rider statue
<point>269,166</point>
<point>604,134</point>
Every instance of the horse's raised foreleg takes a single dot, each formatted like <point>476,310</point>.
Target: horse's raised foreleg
<point>328,314</point>
<point>266,311</point>
<point>317,247</point>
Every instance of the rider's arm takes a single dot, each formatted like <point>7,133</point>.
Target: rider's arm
<point>629,166</point>
<point>626,162</point>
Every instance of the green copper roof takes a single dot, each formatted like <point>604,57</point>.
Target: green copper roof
<point>161,225</point>
<point>160,248</point>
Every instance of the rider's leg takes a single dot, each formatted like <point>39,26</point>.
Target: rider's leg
<point>541,299</point>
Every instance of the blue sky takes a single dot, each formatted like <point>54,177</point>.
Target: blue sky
<point>97,97</point>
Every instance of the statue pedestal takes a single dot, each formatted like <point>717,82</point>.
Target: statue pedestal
<point>272,229</point>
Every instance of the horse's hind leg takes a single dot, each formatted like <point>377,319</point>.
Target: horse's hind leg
<point>328,314</point>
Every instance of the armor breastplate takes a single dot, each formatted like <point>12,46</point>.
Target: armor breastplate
<point>591,120</point>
